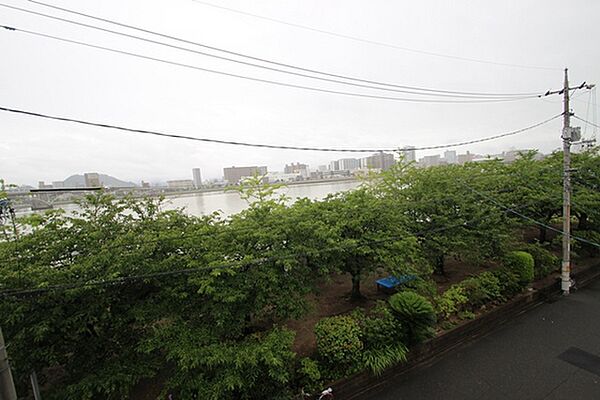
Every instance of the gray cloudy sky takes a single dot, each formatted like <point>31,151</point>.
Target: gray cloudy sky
<point>45,76</point>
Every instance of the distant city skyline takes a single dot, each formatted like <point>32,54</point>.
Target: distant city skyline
<point>194,178</point>
<point>148,95</point>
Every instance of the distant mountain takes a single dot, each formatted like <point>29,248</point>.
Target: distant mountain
<point>105,180</point>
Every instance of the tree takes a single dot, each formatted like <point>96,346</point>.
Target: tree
<point>89,335</point>
<point>368,232</point>
<point>444,211</point>
<point>534,187</point>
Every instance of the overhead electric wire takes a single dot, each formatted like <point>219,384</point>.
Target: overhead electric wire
<point>587,122</point>
<point>530,95</point>
<point>273,146</point>
<point>249,78</point>
<point>517,213</point>
<point>369,41</point>
<point>191,271</point>
<point>238,54</point>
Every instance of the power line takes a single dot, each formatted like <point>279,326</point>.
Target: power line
<point>186,41</point>
<point>124,279</point>
<point>530,95</point>
<point>368,41</point>
<point>587,122</point>
<point>272,146</point>
<point>197,235</point>
<point>191,271</point>
<point>513,211</point>
<point>268,81</point>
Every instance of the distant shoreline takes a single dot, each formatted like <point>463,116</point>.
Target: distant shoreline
<point>183,193</point>
<point>232,188</point>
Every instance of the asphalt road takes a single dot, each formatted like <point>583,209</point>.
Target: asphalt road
<point>551,352</point>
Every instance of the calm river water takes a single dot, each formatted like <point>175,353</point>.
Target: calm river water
<point>230,202</point>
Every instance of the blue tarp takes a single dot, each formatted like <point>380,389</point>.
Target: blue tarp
<point>392,281</point>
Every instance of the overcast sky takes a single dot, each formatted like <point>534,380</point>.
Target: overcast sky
<point>45,76</point>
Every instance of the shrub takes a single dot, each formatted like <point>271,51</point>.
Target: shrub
<point>382,337</point>
<point>521,263</point>
<point>378,360</point>
<point>426,288</point>
<point>338,343</point>
<point>482,289</point>
<point>544,261</point>
<point>451,301</point>
<point>309,374</point>
<point>381,328</point>
<point>415,313</point>
<point>508,281</point>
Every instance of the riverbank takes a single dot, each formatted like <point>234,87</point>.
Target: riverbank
<point>232,188</point>
<point>224,200</point>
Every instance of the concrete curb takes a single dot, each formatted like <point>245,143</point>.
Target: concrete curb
<point>431,351</point>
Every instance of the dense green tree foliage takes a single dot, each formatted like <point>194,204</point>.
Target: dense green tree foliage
<point>446,215</point>
<point>123,290</point>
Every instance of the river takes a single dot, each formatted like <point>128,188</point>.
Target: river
<point>229,202</point>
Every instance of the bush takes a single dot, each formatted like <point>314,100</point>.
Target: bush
<point>382,337</point>
<point>338,343</point>
<point>416,315</point>
<point>482,289</point>
<point>426,288</point>
<point>308,374</point>
<point>379,359</point>
<point>508,282</point>
<point>521,263</point>
<point>544,261</point>
<point>451,301</point>
<point>381,328</point>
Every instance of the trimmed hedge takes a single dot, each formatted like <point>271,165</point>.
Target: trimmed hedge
<point>544,262</point>
<point>522,264</point>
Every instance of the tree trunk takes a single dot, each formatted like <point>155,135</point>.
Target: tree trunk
<point>439,264</point>
<point>583,222</point>
<point>355,294</point>
<point>543,234</point>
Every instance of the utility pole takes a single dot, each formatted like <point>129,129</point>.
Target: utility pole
<point>7,386</point>
<point>565,271</point>
<point>569,135</point>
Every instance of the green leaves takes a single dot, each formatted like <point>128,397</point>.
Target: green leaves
<point>522,264</point>
<point>338,343</point>
<point>415,313</point>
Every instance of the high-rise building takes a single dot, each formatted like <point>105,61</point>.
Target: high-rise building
<point>409,154</point>
<point>334,166</point>
<point>450,157</point>
<point>58,184</point>
<point>430,161</point>
<point>349,164</point>
<point>197,177</point>
<point>92,179</point>
<point>296,168</point>
<point>381,160</point>
<point>233,175</point>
